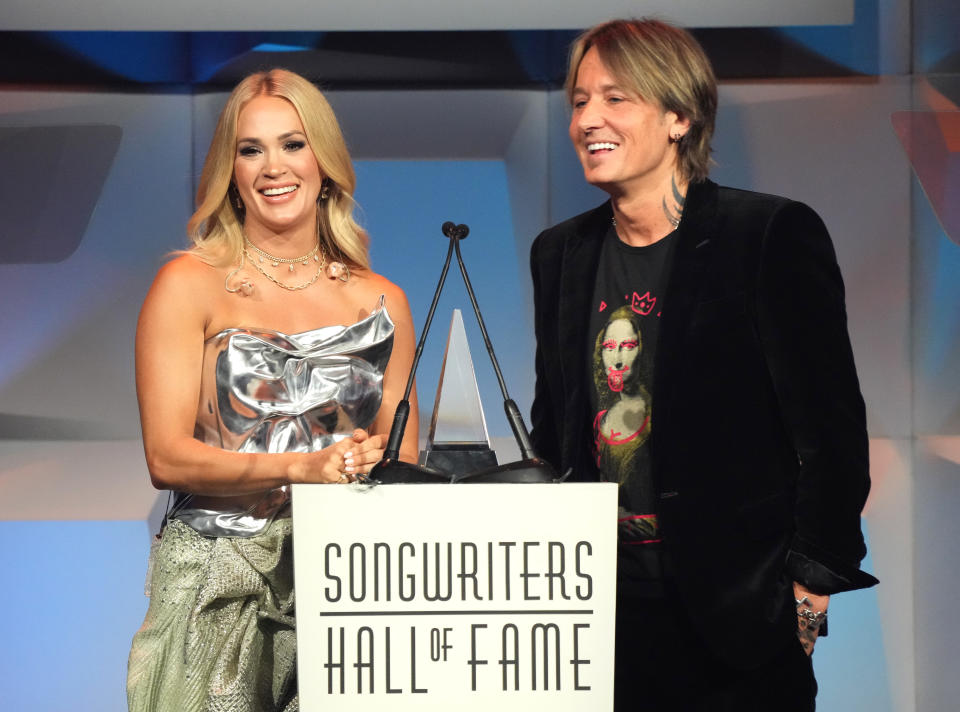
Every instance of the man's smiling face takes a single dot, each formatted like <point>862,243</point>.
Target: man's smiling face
<point>623,141</point>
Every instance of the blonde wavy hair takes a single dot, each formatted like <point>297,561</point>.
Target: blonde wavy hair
<point>216,228</point>
<point>665,66</point>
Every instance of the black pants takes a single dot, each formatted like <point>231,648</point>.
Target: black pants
<point>663,665</point>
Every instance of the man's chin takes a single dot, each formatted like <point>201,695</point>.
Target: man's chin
<point>598,181</point>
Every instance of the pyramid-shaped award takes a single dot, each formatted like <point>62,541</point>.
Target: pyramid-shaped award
<point>458,442</point>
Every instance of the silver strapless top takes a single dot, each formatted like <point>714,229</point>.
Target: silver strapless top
<point>264,391</point>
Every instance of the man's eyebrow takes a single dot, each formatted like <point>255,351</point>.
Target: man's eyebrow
<point>603,88</point>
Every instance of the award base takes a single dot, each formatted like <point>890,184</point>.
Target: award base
<point>522,472</point>
<point>459,458</point>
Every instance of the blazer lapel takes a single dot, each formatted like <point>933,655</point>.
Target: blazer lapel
<point>581,257</point>
<point>697,228</point>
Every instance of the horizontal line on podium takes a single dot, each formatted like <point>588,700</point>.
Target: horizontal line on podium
<point>568,612</point>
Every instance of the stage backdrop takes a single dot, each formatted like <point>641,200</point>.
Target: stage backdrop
<point>97,189</point>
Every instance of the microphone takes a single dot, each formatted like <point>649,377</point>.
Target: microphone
<point>530,468</point>
<point>391,470</point>
<point>455,231</point>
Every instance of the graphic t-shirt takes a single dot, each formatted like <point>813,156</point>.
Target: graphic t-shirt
<point>624,320</point>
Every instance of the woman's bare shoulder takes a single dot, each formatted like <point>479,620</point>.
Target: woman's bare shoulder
<point>374,284</point>
<point>188,274</point>
<point>187,267</point>
<point>185,286</point>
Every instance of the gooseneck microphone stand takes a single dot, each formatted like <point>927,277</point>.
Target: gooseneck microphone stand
<point>391,470</point>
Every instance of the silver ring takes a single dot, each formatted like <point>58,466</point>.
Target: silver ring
<point>343,477</point>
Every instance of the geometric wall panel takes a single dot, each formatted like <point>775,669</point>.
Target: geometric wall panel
<point>932,142</point>
<point>405,14</point>
<point>51,182</point>
<point>73,593</point>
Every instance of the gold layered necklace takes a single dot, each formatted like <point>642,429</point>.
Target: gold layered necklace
<point>316,254</point>
<point>277,261</point>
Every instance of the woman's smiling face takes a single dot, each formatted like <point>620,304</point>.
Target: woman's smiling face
<point>275,170</point>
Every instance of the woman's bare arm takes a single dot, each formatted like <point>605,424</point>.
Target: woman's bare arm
<point>169,354</point>
<point>395,376</point>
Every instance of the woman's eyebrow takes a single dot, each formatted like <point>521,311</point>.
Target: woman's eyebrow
<point>281,137</point>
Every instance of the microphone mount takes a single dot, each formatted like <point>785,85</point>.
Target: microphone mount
<point>391,469</point>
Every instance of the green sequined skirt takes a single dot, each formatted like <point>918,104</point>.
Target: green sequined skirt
<point>219,634</point>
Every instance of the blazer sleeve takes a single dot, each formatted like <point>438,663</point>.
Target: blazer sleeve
<point>544,434</point>
<point>803,330</point>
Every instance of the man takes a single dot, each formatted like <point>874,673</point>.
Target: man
<point>692,346</point>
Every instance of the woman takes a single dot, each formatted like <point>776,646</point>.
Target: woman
<point>275,325</point>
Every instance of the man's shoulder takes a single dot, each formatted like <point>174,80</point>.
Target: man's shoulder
<point>748,220</point>
<point>752,205</point>
<point>586,225</point>
<point>600,215</point>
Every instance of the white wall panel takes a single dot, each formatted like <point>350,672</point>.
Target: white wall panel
<point>406,14</point>
<point>937,531</point>
<point>500,161</point>
<point>68,356</point>
<point>830,144</point>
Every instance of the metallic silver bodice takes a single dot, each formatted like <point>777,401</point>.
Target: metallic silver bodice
<point>264,391</point>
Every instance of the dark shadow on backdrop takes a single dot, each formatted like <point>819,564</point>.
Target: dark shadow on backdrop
<point>52,182</point>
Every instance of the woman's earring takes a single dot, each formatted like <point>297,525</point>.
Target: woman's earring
<point>236,201</point>
<point>324,190</point>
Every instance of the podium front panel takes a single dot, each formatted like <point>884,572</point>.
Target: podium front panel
<point>468,597</point>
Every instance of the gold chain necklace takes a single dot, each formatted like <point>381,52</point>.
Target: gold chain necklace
<point>276,261</point>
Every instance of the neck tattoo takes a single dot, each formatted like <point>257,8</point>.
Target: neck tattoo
<point>675,211</point>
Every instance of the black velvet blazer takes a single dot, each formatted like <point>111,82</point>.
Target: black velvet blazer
<point>758,436</point>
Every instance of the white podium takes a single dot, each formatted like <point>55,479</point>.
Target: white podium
<point>467,597</point>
